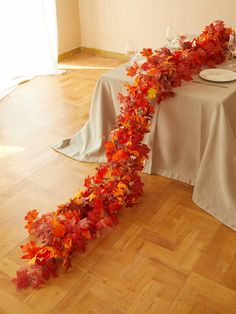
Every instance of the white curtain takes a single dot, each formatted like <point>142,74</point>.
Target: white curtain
<point>28,41</point>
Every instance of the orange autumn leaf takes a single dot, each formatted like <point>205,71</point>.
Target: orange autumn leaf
<point>58,229</point>
<point>120,155</point>
<point>67,243</point>
<point>31,215</point>
<point>153,71</point>
<point>30,218</point>
<point>86,233</point>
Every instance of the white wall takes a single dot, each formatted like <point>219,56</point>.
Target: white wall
<point>68,25</point>
<point>107,24</point>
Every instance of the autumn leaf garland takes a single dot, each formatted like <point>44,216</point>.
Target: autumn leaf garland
<point>117,182</point>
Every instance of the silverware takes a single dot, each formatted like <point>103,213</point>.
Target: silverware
<point>206,83</point>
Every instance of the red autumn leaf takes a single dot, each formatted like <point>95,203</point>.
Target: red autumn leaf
<point>22,279</point>
<point>49,270</point>
<point>132,71</point>
<point>101,172</point>
<point>30,249</point>
<point>87,182</point>
<point>68,215</point>
<point>36,279</point>
<point>147,52</point>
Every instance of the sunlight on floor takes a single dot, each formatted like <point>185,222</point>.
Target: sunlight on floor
<point>6,150</point>
<point>80,67</point>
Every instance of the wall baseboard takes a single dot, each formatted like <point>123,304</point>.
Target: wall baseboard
<point>93,51</point>
<point>68,54</point>
<point>104,53</point>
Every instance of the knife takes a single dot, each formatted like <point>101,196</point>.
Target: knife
<point>214,85</point>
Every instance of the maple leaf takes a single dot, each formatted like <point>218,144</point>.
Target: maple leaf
<point>120,155</point>
<point>152,93</point>
<point>68,215</point>
<point>31,249</point>
<point>52,251</point>
<point>30,218</point>
<point>83,223</point>
<point>147,52</point>
<point>86,233</point>
<point>22,279</point>
<point>101,172</point>
<point>92,196</point>
<point>144,66</point>
<point>132,71</point>
<point>67,262</point>
<point>78,196</point>
<point>98,204</point>
<point>49,270</point>
<point>58,229</point>
<point>67,243</point>
<point>120,189</point>
<point>31,215</point>
<point>132,89</point>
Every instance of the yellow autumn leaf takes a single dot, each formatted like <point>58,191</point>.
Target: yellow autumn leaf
<point>68,244</point>
<point>118,192</point>
<point>152,93</point>
<point>51,250</point>
<point>121,185</point>
<point>32,261</point>
<point>120,189</point>
<point>134,152</point>
<point>78,196</point>
<point>120,200</point>
<point>92,196</point>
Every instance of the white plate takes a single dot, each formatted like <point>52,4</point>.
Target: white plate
<point>218,75</point>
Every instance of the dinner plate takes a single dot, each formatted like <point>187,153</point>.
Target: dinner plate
<point>218,75</point>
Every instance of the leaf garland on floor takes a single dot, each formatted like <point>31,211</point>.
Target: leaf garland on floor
<point>117,183</point>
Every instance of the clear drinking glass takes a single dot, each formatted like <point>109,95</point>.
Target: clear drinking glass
<point>232,45</point>
<point>171,36</point>
<point>231,62</point>
<point>131,50</point>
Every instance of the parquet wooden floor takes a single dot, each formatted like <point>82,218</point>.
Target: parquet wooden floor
<point>166,255</point>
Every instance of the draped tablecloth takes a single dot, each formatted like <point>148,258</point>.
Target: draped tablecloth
<point>192,138</point>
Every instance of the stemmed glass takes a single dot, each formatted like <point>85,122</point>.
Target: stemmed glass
<point>171,36</point>
<point>232,45</point>
<point>231,64</point>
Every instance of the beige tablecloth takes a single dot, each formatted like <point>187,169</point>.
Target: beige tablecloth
<point>192,139</point>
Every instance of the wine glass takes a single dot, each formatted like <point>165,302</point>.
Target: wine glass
<point>232,44</point>
<point>231,63</point>
<point>131,50</point>
<point>171,36</point>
